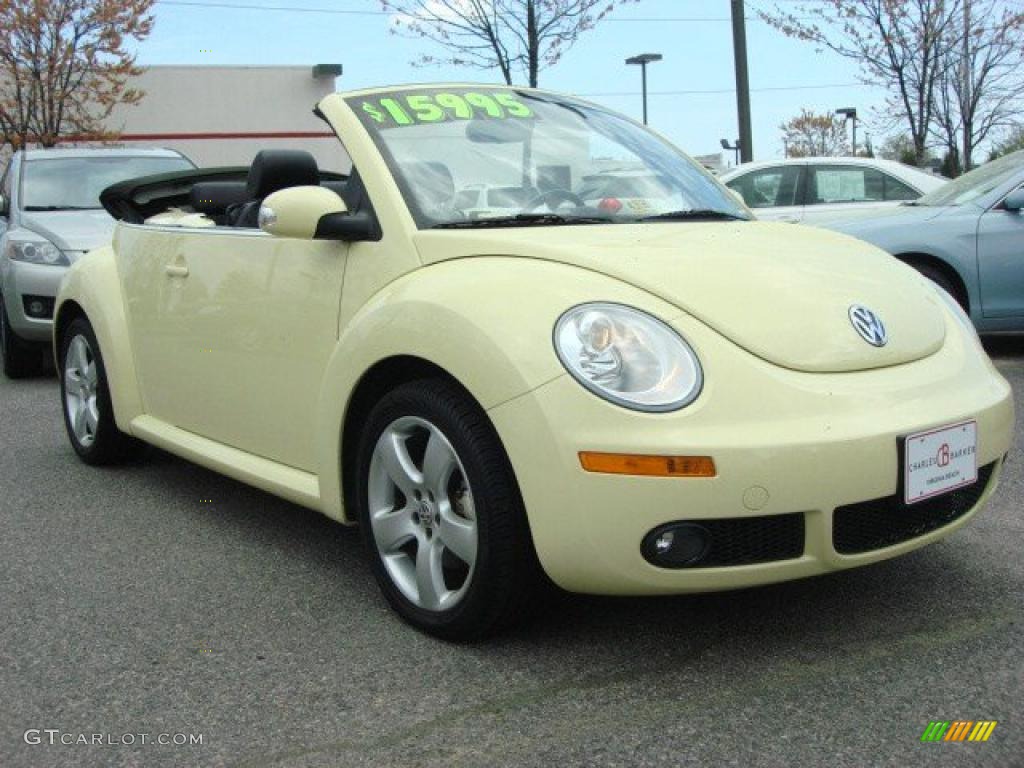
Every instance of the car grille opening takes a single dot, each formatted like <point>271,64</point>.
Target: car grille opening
<point>881,523</point>
<point>741,541</point>
<point>38,307</point>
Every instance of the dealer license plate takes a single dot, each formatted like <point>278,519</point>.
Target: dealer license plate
<point>940,460</point>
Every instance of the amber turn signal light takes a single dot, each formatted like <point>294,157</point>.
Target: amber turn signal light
<point>649,466</point>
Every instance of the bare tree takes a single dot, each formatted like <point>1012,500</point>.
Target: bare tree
<point>897,43</point>
<point>513,36</point>
<point>1012,141</point>
<point>980,88</point>
<point>900,147</point>
<point>65,65</point>
<point>812,135</point>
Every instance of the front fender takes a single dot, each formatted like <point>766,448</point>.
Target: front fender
<point>487,321</point>
<point>93,284</point>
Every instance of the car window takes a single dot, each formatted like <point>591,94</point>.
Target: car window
<point>838,184</point>
<point>69,183</point>
<point>468,198</point>
<point>897,190</point>
<point>978,182</point>
<point>530,151</point>
<point>770,187</point>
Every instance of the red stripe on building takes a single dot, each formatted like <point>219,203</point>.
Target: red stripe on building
<point>202,136</point>
<point>241,135</point>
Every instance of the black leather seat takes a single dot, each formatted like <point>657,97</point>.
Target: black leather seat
<point>213,198</point>
<point>272,170</point>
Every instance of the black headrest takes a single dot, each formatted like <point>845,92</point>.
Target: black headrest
<point>337,187</point>
<point>431,182</point>
<point>213,197</point>
<point>274,169</point>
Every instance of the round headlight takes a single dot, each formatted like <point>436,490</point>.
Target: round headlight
<point>628,357</point>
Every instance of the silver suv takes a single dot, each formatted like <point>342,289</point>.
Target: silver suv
<point>50,215</point>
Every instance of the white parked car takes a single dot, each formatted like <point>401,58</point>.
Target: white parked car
<point>811,190</point>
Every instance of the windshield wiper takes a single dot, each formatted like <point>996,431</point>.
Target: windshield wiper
<point>62,208</point>
<point>695,213</point>
<point>522,220</point>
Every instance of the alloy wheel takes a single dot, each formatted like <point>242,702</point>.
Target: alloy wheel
<point>80,389</point>
<point>422,514</point>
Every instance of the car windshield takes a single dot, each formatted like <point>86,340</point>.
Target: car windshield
<point>487,157</point>
<point>73,183</point>
<point>977,183</point>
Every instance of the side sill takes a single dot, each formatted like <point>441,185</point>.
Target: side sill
<point>287,482</point>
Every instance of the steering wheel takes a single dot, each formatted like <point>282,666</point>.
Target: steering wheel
<point>554,198</point>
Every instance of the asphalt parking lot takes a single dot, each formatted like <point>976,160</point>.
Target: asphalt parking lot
<point>162,598</point>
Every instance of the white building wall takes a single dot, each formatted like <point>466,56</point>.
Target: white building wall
<point>225,115</point>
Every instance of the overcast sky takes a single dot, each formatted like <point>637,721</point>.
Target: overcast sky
<point>692,98</point>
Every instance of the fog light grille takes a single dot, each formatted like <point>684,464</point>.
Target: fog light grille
<point>728,541</point>
<point>884,522</point>
<point>38,307</point>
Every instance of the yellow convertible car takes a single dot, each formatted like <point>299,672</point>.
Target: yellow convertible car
<point>503,383</point>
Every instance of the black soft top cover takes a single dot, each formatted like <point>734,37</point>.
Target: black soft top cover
<point>135,200</point>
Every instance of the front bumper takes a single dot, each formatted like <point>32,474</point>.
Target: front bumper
<point>783,442</point>
<point>22,279</point>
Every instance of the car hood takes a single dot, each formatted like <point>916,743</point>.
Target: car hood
<point>71,230</point>
<point>781,292</point>
<point>881,220</point>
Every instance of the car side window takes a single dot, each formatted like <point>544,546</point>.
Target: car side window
<point>831,184</point>
<point>896,190</point>
<point>769,187</point>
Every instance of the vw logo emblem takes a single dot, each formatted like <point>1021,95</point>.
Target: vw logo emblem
<point>868,325</point>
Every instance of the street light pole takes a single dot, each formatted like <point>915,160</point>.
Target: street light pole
<point>735,148</point>
<point>850,113</point>
<point>739,47</point>
<point>643,60</point>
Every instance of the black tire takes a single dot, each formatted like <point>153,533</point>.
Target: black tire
<point>506,573</point>
<point>20,358</point>
<point>108,445</point>
<point>941,279</point>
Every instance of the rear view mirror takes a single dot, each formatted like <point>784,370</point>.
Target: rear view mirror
<point>1015,200</point>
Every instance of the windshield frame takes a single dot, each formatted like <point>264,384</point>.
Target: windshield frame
<point>424,221</point>
<point>34,207</point>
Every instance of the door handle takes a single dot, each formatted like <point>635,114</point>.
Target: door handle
<point>176,270</point>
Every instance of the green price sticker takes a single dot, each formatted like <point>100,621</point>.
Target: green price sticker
<point>417,108</point>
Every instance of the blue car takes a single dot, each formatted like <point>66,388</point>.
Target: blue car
<point>968,237</point>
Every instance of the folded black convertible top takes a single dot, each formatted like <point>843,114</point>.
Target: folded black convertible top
<point>135,200</point>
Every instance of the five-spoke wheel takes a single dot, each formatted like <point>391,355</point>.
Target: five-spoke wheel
<point>88,410</point>
<point>422,514</point>
<point>80,382</point>
<point>441,513</point>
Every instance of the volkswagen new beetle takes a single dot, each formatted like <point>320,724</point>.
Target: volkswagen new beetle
<point>651,398</point>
